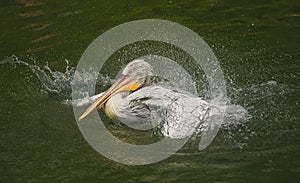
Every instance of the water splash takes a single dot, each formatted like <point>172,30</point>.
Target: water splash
<point>256,98</point>
<point>53,82</point>
<point>59,84</point>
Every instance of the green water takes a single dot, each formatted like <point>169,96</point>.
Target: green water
<point>256,42</point>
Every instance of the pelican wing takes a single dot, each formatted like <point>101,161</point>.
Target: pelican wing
<point>178,113</point>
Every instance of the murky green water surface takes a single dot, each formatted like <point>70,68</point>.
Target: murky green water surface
<point>256,42</point>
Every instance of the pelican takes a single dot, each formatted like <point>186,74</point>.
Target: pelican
<point>137,102</point>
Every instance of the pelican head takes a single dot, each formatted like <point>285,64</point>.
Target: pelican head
<point>136,74</point>
<point>139,70</point>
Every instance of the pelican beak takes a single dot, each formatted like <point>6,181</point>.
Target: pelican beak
<point>125,83</point>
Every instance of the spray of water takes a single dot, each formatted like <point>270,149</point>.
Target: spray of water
<point>59,84</point>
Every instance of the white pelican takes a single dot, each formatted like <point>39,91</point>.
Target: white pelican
<point>134,101</point>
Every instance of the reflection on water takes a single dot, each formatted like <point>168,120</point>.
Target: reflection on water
<point>257,44</point>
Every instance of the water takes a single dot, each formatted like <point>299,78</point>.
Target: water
<point>257,44</point>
